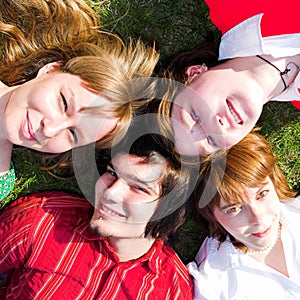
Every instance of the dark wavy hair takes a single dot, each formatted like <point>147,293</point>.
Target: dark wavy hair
<point>177,180</point>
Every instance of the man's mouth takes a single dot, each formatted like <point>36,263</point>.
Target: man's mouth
<point>234,113</point>
<point>107,211</point>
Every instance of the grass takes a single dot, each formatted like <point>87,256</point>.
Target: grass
<point>173,26</point>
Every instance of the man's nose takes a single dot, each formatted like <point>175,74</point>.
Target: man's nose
<point>115,191</point>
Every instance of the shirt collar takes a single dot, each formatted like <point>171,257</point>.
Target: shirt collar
<point>153,257</point>
<point>245,39</point>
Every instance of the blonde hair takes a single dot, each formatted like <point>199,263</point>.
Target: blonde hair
<point>37,32</point>
<point>229,172</point>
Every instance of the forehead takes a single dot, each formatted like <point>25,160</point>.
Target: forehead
<point>245,194</point>
<point>136,168</point>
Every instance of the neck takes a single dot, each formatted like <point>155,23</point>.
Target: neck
<point>131,248</point>
<point>5,145</point>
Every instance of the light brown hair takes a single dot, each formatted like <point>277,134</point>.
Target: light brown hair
<point>37,32</point>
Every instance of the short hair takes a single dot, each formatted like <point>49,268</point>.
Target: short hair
<point>228,172</point>
<point>174,201</point>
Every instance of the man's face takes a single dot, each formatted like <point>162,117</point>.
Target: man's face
<point>127,195</point>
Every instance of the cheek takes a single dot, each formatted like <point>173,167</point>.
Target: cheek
<point>140,213</point>
<point>229,224</point>
<point>232,138</point>
<point>56,145</point>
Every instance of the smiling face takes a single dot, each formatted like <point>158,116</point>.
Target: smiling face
<point>254,222</point>
<point>127,195</point>
<point>218,108</point>
<point>45,114</point>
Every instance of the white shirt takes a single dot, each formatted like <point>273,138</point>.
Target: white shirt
<point>222,272</point>
<point>245,39</point>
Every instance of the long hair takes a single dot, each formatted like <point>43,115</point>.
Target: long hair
<point>68,31</point>
<point>229,172</point>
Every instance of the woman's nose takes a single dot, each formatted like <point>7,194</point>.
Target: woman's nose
<point>222,123</point>
<point>256,214</point>
<point>52,127</point>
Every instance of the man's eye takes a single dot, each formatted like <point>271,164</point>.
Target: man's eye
<point>139,188</point>
<point>64,101</point>
<point>111,172</point>
<point>74,136</point>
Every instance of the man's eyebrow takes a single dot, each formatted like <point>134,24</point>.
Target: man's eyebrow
<point>147,184</point>
<point>110,165</point>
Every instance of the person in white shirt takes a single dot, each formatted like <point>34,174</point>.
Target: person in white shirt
<point>251,217</point>
<point>227,83</point>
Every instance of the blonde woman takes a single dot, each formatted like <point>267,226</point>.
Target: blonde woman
<point>64,83</point>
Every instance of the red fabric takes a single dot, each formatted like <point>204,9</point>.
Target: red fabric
<point>48,252</point>
<point>280,16</point>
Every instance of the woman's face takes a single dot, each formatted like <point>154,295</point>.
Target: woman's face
<point>254,222</point>
<point>216,110</point>
<point>44,113</point>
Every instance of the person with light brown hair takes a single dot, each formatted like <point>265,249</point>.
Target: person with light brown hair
<point>64,82</point>
<point>251,219</point>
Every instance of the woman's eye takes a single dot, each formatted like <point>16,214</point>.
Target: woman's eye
<point>233,210</point>
<point>195,117</point>
<point>74,136</point>
<point>64,101</point>
<point>262,194</point>
<point>212,141</point>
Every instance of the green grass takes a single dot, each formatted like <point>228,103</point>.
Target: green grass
<point>174,26</point>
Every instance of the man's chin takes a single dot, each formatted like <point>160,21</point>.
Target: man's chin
<point>96,229</point>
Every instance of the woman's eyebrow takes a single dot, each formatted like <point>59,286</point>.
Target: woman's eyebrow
<point>227,206</point>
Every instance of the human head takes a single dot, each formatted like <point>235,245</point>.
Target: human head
<point>220,104</point>
<point>101,60</point>
<point>148,154</point>
<point>227,175</point>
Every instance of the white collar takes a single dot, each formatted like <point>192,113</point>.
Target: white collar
<point>245,39</point>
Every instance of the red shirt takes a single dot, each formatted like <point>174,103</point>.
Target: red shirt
<point>49,252</point>
<point>280,16</point>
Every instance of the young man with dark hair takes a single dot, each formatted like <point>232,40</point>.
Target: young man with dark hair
<point>57,246</point>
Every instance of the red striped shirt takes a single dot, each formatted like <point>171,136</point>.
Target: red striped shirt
<point>49,252</point>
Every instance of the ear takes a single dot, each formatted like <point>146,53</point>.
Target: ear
<point>191,71</point>
<point>48,68</point>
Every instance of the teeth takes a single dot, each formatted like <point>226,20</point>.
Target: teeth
<point>235,116</point>
<point>111,212</point>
